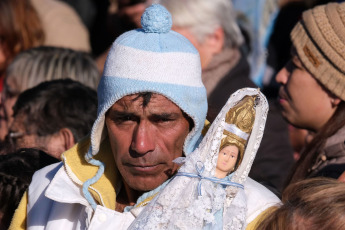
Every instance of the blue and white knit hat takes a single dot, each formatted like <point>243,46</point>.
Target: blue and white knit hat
<point>152,59</point>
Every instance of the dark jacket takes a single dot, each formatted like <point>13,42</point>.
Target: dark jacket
<point>331,159</point>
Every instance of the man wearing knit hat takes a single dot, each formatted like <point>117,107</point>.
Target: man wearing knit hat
<point>312,91</point>
<point>151,109</point>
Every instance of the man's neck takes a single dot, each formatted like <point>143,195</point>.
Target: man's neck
<point>126,197</point>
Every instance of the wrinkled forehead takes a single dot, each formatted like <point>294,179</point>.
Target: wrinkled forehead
<point>146,103</point>
<point>144,100</point>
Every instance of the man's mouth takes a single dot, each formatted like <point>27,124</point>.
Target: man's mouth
<point>144,168</point>
<point>282,96</point>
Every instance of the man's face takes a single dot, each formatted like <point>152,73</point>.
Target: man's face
<point>145,139</point>
<point>19,137</point>
<point>304,102</point>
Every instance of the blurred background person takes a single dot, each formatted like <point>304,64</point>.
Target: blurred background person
<point>20,29</point>
<point>53,116</point>
<point>278,54</point>
<point>217,36</point>
<point>313,204</point>
<point>62,25</point>
<point>225,69</point>
<point>29,23</point>
<point>261,16</point>
<point>41,64</point>
<point>16,170</point>
<point>312,92</point>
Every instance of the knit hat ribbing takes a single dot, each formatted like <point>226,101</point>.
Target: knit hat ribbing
<point>319,39</point>
<point>153,59</point>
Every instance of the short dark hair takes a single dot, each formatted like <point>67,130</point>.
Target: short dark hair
<point>57,104</point>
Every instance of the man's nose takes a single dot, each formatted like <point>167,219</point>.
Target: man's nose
<point>282,76</point>
<point>143,139</point>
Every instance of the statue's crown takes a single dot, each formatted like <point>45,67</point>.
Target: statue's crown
<point>239,122</point>
<point>243,114</point>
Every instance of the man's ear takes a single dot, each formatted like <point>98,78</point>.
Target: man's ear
<point>67,138</point>
<point>216,40</point>
<point>335,100</point>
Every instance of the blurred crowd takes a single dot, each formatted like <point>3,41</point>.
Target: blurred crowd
<point>52,54</point>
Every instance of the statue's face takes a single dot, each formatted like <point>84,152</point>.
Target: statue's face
<point>226,160</point>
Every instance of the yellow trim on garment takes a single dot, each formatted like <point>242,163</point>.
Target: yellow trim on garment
<point>252,225</point>
<point>19,218</point>
<point>207,125</point>
<point>109,181</point>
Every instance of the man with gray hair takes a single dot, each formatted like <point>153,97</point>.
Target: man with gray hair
<point>212,28</point>
<point>36,65</point>
<point>152,107</point>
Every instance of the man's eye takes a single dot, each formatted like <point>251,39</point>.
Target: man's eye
<point>122,119</point>
<point>290,66</point>
<point>161,119</point>
<point>127,118</point>
<point>164,120</point>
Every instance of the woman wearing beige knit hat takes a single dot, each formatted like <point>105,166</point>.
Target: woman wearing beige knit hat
<point>312,92</point>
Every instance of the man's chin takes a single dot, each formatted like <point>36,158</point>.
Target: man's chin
<point>145,184</point>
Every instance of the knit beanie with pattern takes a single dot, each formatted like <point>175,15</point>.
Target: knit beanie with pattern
<point>319,39</point>
<point>152,59</point>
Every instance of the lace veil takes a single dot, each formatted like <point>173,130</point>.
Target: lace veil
<point>197,202</point>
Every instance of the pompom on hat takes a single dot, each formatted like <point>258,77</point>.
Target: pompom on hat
<point>152,59</point>
<point>319,39</point>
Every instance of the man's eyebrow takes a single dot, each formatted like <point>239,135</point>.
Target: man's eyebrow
<point>165,115</point>
<point>116,113</point>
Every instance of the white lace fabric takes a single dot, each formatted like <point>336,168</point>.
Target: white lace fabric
<point>180,206</point>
